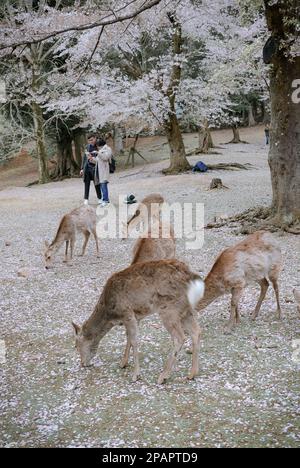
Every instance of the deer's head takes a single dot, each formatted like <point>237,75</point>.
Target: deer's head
<point>86,346</point>
<point>48,255</point>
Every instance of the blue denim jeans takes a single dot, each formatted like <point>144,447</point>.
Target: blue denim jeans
<point>104,190</point>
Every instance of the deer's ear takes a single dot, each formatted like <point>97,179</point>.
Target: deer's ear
<point>77,328</point>
<point>47,245</point>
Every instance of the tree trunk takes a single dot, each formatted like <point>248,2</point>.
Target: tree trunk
<point>118,141</point>
<point>205,138</point>
<point>203,141</point>
<point>66,165</point>
<point>35,53</point>
<point>210,140</point>
<point>61,168</point>
<point>79,147</point>
<point>178,160</point>
<point>255,111</point>
<point>263,112</point>
<point>284,156</point>
<point>73,167</point>
<point>236,135</point>
<point>201,138</point>
<point>251,119</point>
<point>38,120</point>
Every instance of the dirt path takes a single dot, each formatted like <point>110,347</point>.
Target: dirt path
<point>247,393</point>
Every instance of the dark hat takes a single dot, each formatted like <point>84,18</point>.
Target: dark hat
<point>130,200</point>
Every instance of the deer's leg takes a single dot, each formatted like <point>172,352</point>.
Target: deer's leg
<point>193,329</point>
<point>264,284</point>
<point>132,338</point>
<point>97,243</point>
<point>234,316</point>
<point>274,281</point>
<point>72,242</point>
<point>125,359</point>
<point>66,252</point>
<point>176,331</point>
<point>86,239</point>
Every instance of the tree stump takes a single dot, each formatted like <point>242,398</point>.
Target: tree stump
<point>217,184</point>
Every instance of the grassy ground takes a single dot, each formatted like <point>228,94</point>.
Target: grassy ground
<point>247,393</point>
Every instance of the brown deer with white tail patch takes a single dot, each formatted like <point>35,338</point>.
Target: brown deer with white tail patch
<point>82,220</point>
<point>166,287</point>
<point>257,259</point>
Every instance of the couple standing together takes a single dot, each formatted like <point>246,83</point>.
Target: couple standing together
<point>95,167</point>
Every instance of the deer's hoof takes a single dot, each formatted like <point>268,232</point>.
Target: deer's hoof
<point>192,375</point>
<point>161,380</point>
<point>135,378</point>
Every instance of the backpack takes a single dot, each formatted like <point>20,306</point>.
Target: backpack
<point>112,166</point>
<point>200,167</point>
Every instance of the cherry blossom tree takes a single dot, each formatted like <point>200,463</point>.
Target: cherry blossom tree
<point>152,68</point>
<point>153,63</point>
<point>34,40</point>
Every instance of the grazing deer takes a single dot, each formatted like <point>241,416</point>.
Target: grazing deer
<point>150,248</point>
<point>257,259</point>
<point>167,287</point>
<point>148,204</point>
<point>82,220</point>
<point>297,298</point>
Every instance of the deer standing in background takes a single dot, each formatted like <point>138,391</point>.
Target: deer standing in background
<point>257,259</point>
<point>82,220</point>
<point>158,240</point>
<point>150,248</point>
<point>147,207</point>
<point>167,287</point>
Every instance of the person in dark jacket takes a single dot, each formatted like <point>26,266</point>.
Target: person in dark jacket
<point>89,169</point>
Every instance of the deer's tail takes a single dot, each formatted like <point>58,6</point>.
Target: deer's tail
<point>195,292</point>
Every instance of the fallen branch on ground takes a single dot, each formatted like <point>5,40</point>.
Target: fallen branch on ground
<point>230,167</point>
<point>256,219</point>
<point>197,151</point>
